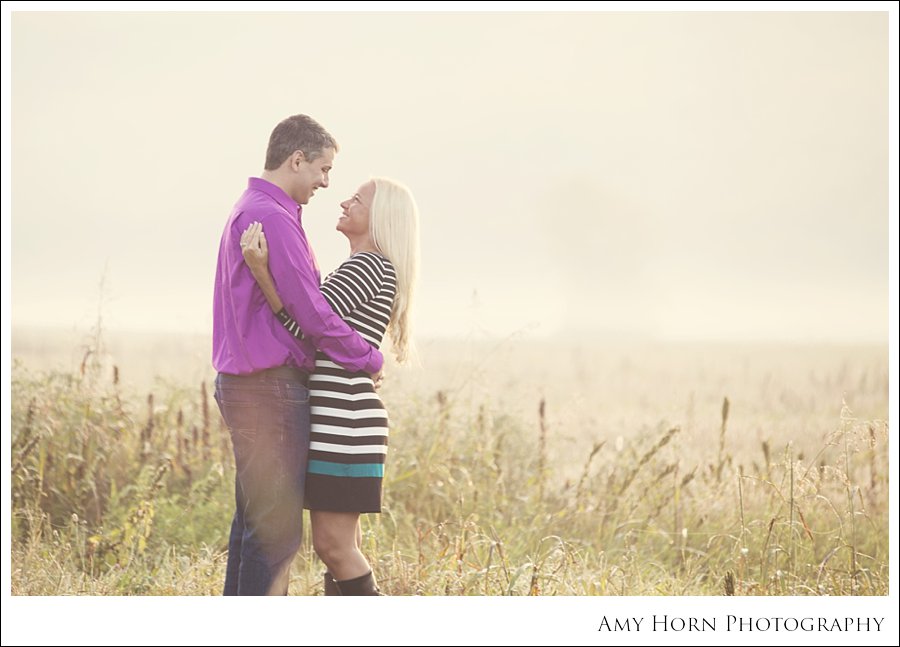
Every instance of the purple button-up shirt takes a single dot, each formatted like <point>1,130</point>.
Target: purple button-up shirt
<point>247,336</point>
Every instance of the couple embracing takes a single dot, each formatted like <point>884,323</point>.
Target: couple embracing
<point>298,362</point>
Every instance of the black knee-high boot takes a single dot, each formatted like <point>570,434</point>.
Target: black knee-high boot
<point>331,587</point>
<point>362,585</point>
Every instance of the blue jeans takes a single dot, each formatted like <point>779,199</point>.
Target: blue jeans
<point>268,416</point>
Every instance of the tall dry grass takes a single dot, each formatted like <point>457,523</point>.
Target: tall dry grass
<point>121,492</point>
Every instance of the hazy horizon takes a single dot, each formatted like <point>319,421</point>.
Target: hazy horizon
<point>559,368</point>
<point>660,176</point>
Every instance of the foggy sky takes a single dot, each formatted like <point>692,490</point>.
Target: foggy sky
<point>695,175</point>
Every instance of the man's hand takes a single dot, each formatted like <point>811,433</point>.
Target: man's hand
<point>378,378</point>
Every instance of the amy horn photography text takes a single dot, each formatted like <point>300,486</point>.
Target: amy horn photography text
<point>741,623</point>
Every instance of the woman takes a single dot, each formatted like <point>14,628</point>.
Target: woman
<point>372,291</point>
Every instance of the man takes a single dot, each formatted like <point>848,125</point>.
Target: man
<point>263,370</point>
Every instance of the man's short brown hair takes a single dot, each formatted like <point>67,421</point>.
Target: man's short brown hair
<point>297,133</point>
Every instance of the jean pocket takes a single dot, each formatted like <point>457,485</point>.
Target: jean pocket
<point>296,393</point>
<point>241,418</point>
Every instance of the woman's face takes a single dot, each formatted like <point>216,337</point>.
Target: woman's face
<point>354,220</point>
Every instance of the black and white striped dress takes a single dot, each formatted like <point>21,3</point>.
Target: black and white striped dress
<point>349,431</point>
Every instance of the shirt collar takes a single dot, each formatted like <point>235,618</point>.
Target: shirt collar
<point>276,193</point>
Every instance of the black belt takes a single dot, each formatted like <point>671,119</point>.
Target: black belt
<point>284,372</point>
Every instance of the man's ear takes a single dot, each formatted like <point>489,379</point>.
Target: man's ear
<point>297,157</point>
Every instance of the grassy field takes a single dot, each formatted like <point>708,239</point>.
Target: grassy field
<point>516,467</point>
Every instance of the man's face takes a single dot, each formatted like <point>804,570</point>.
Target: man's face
<point>312,175</point>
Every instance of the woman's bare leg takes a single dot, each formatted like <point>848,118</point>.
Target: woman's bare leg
<point>336,539</point>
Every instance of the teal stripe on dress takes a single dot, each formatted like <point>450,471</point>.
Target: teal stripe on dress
<point>348,470</point>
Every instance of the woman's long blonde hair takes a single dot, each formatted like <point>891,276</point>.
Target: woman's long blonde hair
<point>394,225</point>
